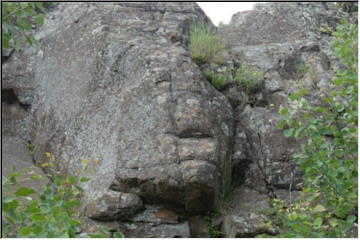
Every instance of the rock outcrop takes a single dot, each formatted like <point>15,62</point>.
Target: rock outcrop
<point>113,85</point>
<point>290,43</point>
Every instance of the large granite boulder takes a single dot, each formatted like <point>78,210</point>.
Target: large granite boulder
<point>116,86</point>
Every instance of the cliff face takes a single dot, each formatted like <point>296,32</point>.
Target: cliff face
<point>113,83</point>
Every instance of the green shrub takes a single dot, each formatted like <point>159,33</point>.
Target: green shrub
<point>328,206</point>
<point>217,80</point>
<point>348,6</point>
<point>204,44</point>
<point>49,214</point>
<point>249,78</point>
<point>18,19</point>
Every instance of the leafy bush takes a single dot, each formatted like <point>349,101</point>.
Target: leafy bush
<point>328,204</point>
<point>249,78</point>
<point>348,6</point>
<point>204,44</point>
<point>18,19</point>
<point>53,213</point>
<point>217,80</point>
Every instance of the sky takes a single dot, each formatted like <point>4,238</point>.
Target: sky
<point>223,11</point>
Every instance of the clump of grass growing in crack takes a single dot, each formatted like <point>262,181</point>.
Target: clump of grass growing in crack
<point>249,78</point>
<point>204,43</point>
<point>217,80</point>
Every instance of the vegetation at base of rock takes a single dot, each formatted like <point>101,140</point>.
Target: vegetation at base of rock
<point>217,80</point>
<point>213,231</point>
<point>204,43</point>
<point>249,78</point>
<point>328,204</point>
<point>18,20</point>
<point>49,214</point>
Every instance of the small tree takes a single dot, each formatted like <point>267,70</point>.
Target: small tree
<point>328,204</point>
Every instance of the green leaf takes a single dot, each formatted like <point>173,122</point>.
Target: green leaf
<point>31,40</point>
<point>25,232</point>
<point>303,91</point>
<point>319,208</point>
<point>333,222</point>
<point>118,235</point>
<point>40,19</point>
<point>294,96</point>
<point>5,38</point>
<point>288,132</point>
<point>24,24</point>
<point>30,11</point>
<point>73,203</point>
<point>7,199</point>
<point>24,4</point>
<point>3,180</point>
<point>37,230</point>
<point>350,219</point>
<point>38,218</point>
<point>84,179</point>
<point>281,124</point>
<point>98,235</point>
<point>24,191</point>
<point>318,221</point>
<point>72,180</point>
<point>58,180</point>
<point>283,111</point>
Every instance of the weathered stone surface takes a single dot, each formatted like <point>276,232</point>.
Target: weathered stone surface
<point>260,146</point>
<point>288,43</point>
<point>89,226</point>
<point>156,214</point>
<point>15,154</point>
<point>115,84</point>
<point>198,227</point>
<point>246,217</point>
<point>114,206</point>
<point>281,22</point>
<point>152,230</point>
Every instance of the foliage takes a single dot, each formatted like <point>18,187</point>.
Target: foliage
<point>18,20</point>
<point>348,6</point>
<point>329,156</point>
<point>51,213</point>
<point>217,80</point>
<point>249,78</point>
<point>204,44</point>
<point>215,233</point>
